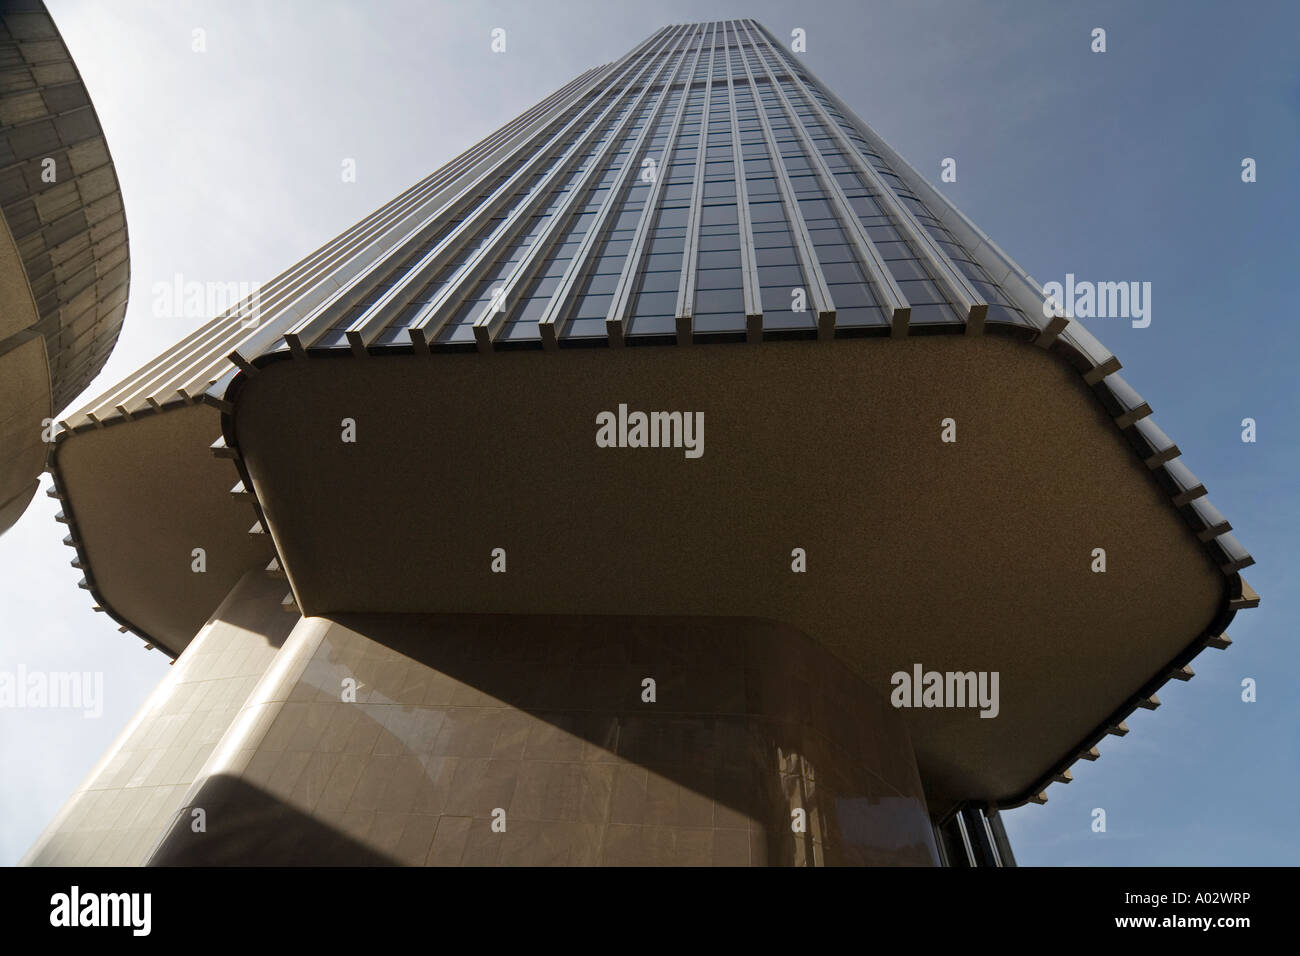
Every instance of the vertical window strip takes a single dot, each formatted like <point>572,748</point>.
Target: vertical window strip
<point>291,287</point>
<point>817,291</point>
<point>427,325</point>
<point>565,308</point>
<point>619,310</point>
<point>781,278</point>
<point>502,191</point>
<point>686,288</point>
<point>844,226</point>
<point>964,296</point>
<point>748,265</point>
<point>652,313</point>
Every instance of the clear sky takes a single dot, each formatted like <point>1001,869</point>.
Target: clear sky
<point>1122,165</point>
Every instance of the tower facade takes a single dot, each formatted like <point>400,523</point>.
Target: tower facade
<point>673,477</point>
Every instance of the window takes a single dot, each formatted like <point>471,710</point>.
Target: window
<point>673,216</point>
<point>780,276</point>
<point>842,272</point>
<point>718,215</point>
<point>904,269</point>
<point>851,295</point>
<point>601,284</point>
<point>718,279</point>
<point>656,303</point>
<point>719,300</point>
<point>660,281</point>
<point>719,243</point>
<point>921,292</point>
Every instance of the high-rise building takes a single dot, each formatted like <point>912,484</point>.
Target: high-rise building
<point>64,272</point>
<point>454,572</point>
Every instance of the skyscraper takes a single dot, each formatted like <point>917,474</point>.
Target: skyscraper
<point>555,597</point>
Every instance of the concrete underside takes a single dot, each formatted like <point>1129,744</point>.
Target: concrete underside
<point>966,556</point>
<point>144,496</point>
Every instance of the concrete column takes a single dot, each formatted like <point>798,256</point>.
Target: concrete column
<point>521,740</point>
<point>124,805</point>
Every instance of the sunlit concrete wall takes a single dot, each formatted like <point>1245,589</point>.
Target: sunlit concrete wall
<point>119,812</point>
<point>500,740</point>
<point>542,726</point>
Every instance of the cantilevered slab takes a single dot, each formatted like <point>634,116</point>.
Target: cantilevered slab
<point>145,494</point>
<point>974,555</point>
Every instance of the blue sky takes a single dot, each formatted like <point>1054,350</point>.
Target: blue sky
<point>1123,165</point>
